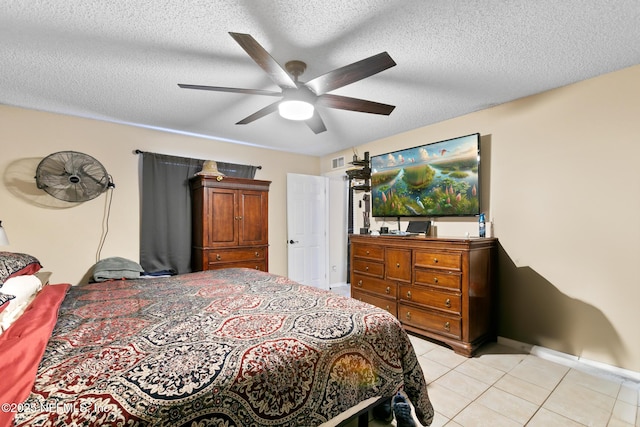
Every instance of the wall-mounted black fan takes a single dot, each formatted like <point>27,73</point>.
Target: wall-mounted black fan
<point>313,92</point>
<point>72,176</point>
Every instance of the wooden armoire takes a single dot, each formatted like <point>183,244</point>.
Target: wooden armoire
<point>230,223</point>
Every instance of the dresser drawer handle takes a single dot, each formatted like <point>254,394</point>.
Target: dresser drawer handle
<point>408,294</point>
<point>257,267</point>
<point>388,308</point>
<point>360,283</point>
<point>257,254</point>
<point>408,315</point>
<point>435,280</point>
<point>435,260</point>
<point>447,326</point>
<point>398,265</point>
<point>367,252</point>
<point>448,303</point>
<point>366,268</point>
<point>218,257</point>
<point>388,290</point>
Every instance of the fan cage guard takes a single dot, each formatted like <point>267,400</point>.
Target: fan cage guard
<point>72,176</point>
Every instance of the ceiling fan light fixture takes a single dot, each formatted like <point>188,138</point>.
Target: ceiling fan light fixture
<point>300,98</point>
<point>294,109</point>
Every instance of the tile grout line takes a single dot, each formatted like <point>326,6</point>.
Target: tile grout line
<point>547,398</point>
<point>481,394</point>
<point>521,379</point>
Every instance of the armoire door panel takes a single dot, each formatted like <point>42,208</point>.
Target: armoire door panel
<point>252,218</point>
<point>223,225</point>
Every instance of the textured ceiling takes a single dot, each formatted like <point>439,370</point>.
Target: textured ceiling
<point>121,60</point>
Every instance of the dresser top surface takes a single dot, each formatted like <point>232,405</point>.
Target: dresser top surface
<point>421,240</point>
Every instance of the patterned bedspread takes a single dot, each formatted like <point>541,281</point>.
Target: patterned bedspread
<point>233,347</point>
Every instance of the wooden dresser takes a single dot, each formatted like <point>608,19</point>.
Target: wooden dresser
<point>230,223</point>
<point>441,288</point>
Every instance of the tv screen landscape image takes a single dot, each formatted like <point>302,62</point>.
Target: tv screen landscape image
<point>431,180</point>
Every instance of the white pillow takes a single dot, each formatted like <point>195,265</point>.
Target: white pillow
<point>25,288</point>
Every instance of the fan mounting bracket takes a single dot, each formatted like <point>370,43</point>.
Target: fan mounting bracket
<point>296,68</point>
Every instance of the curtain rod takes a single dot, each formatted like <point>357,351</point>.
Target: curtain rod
<point>136,151</point>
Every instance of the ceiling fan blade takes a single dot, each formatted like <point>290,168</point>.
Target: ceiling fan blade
<point>351,73</point>
<point>278,74</point>
<point>315,123</point>
<point>231,89</point>
<point>259,114</point>
<point>354,104</point>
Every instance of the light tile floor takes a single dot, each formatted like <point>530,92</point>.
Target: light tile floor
<point>502,386</point>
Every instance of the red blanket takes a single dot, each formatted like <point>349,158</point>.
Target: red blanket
<point>22,346</point>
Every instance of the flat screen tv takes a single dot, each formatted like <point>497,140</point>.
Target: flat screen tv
<point>431,180</point>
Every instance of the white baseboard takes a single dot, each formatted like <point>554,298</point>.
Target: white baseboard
<point>579,363</point>
<point>337,285</point>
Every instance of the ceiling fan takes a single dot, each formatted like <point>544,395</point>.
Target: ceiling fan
<point>300,98</point>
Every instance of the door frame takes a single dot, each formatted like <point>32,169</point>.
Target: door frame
<point>338,235</point>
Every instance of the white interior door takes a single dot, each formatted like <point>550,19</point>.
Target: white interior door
<point>307,224</point>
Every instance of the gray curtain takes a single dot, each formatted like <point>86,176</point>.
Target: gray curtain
<point>165,229</point>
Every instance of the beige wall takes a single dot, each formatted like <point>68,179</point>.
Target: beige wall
<point>65,237</point>
<point>561,179</point>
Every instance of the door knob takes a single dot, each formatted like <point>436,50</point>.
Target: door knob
<point>293,241</point>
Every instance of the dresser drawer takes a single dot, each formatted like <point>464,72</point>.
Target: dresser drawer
<point>432,298</point>
<point>232,255</point>
<point>398,264</point>
<point>442,324</point>
<point>368,251</point>
<point>385,304</point>
<point>255,265</point>
<point>368,267</point>
<point>374,285</point>
<point>439,278</point>
<point>448,260</point>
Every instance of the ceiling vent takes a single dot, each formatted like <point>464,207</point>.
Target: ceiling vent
<point>338,162</point>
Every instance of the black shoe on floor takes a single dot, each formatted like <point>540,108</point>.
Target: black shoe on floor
<point>402,411</point>
<point>383,411</point>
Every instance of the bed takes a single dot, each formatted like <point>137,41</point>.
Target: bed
<point>233,347</point>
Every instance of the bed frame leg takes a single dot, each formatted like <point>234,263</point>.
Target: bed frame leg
<point>363,419</point>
